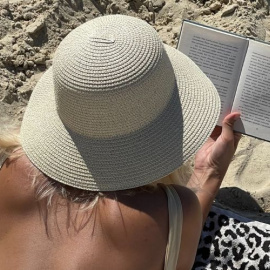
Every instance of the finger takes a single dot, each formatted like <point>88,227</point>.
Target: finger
<point>227,125</point>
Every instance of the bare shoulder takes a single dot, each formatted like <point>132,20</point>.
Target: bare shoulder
<point>16,189</point>
<point>188,198</point>
<point>192,226</point>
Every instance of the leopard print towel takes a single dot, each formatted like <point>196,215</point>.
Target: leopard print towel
<point>233,242</point>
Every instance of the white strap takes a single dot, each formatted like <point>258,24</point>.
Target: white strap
<point>175,228</point>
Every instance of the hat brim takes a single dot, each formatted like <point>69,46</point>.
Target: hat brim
<point>128,161</point>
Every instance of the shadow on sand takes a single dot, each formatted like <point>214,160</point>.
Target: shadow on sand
<point>242,203</point>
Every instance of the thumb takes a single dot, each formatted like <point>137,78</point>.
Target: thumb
<point>227,125</point>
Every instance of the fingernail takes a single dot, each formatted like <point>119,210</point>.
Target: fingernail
<point>236,117</point>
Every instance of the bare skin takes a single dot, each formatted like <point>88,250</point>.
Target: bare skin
<point>133,227</point>
<point>213,160</point>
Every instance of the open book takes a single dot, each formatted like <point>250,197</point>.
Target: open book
<point>240,70</point>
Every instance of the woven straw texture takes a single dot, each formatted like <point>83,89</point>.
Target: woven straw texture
<point>118,109</point>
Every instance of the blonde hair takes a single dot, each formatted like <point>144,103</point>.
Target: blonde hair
<point>9,137</point>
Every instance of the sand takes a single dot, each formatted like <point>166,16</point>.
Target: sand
<point>30,31</point>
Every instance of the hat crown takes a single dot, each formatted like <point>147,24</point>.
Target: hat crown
<point>111,62</point>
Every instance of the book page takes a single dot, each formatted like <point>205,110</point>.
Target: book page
<point>220,56</point>
<point>253,94</point>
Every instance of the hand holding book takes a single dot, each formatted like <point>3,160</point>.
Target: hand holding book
<point>213,160</point>
<point>216,154</point>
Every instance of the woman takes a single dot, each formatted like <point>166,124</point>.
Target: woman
<point>117,113</point>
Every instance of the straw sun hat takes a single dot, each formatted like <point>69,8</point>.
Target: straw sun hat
<point>118,109</point>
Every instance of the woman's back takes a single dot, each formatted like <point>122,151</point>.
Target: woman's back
<point>133,226</point>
